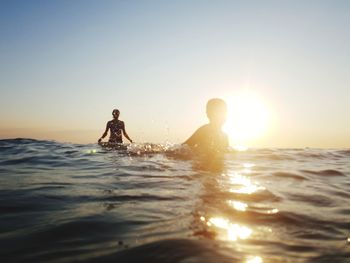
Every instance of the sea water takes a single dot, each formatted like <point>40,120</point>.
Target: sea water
<point>62,202</point>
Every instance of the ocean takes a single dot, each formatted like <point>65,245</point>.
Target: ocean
<point>63,202</point>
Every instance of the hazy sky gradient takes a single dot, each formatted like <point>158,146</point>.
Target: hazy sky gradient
<point>64,65</point>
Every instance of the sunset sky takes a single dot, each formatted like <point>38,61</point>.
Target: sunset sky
<point>282,66</point>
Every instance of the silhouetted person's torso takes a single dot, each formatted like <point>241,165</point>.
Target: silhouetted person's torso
<point>209,138</point>
<point>115,128</point>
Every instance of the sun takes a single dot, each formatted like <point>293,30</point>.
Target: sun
<point>247,119</point>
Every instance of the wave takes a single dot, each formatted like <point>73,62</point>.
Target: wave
<point>327,172</point>
<point>289,175</point>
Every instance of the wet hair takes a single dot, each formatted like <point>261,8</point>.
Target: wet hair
<point>115,110</point>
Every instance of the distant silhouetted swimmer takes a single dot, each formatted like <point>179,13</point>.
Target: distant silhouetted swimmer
<point>116,128</point>
<point>210,137</point>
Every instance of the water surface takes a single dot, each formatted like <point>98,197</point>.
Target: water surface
<point>62,202</point>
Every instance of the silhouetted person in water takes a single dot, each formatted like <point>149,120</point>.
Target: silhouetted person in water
<point>210,137</point>
<point>116,128</point>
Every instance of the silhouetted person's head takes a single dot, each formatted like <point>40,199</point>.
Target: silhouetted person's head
<point>217,111</point>
<point>115,113</point>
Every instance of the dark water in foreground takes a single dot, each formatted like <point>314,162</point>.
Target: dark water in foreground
<point>67,203</point>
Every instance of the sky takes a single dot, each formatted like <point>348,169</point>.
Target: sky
<point>65,65</point>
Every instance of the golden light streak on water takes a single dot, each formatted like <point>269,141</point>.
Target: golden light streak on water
<point>233,232</point>
<point>248,165</point>
<point>219,222</point>
<point>238,205</point>
<point>243,184</point>
<point>247,168</point>
<point>255,259</point>
<point>240,148</point>
<point>273,211</point>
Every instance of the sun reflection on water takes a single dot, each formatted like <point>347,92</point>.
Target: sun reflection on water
<point>243,185</point>
<point>247,168</point>
<point>240,206</point>
<point>231,231</point>
<point>255,259</point>
<point>240,148</point>
<point>248,165</point>
<point>273,211</point>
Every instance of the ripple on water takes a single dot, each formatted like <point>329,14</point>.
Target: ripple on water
<point>314,199</point>
<point>327,172</point>
<point>289,175</point>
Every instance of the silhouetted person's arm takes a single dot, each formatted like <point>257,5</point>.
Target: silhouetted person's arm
<point>196,138</point>
<point>105,133</point>
<point>192,140</point>
<point>125,134</point>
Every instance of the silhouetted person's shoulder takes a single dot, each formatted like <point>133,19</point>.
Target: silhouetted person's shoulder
<point>208,137</point>
<point>199,136</point>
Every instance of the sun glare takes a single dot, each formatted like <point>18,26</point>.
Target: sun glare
<point>247,119</point>
<point>232,231</point>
